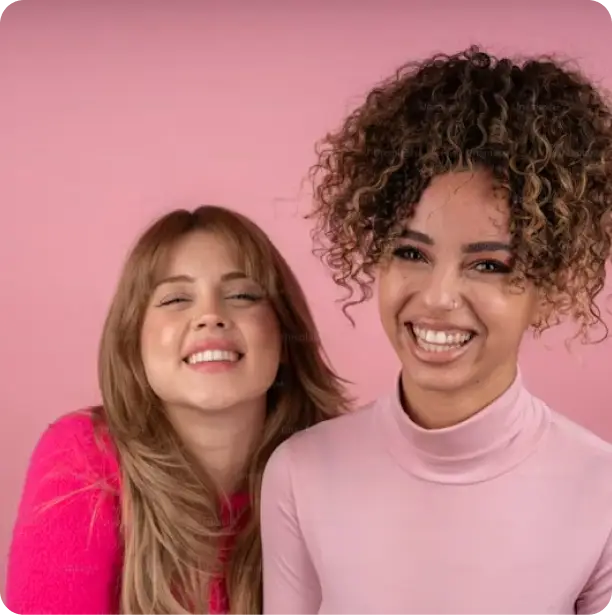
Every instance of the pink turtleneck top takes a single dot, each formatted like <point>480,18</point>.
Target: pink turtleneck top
<point>508,512</point>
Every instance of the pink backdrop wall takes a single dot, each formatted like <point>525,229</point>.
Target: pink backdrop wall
<point>111,113</point>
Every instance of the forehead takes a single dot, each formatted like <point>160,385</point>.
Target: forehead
<point>200,253</point>
<point>462,206</point>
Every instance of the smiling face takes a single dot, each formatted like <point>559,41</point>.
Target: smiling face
<point>444,297</point>
<point>210,338</point>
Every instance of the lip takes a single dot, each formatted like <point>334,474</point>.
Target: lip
<point>212,345</point>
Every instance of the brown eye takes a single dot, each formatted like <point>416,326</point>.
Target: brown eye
<point>408,253</point>
<point>491,267</point>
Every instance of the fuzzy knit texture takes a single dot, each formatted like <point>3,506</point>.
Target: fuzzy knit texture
<point>66,555</point>
<point>508,512</point>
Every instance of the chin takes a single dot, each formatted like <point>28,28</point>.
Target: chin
<point>441,378</point>
<point>222,399</point>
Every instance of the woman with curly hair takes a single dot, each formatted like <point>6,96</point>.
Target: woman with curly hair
<point>209,359</point>
<point>477,194</point>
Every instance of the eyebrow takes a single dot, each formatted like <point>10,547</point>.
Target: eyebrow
<point>470,248</point>
<point>226,277</point>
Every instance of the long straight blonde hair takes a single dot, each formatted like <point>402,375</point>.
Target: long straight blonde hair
<point>170,523</point>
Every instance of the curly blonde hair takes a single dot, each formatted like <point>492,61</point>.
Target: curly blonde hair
<point>538,126</point>
<point>170,520</point>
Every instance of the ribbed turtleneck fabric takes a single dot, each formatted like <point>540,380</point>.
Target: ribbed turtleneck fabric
<point>508,512</point>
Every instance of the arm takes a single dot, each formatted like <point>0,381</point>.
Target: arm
<point>596,595</point>
<point>63,555</point>
<point>290,583</point>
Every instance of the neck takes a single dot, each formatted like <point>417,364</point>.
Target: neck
<point>440,409</point>
<point>490,442</point>
<point>221,442</point>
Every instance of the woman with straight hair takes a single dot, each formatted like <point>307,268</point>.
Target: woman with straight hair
<point>209,359</point>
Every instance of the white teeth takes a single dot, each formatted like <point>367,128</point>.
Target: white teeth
<point>213,355</point>
<point>440,341</point>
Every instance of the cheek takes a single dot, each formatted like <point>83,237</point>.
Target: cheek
<point>392,290</point>
<point>158,338</point>
<point>508,312</point>
<point>262,334</point>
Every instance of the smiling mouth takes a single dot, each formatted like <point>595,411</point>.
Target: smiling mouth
<point>431,340</point>
<point>213,356</point>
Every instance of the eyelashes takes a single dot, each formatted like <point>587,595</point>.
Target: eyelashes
<point>408,253</point>
<point>172,301</point>
<point>247,297</point>
<point>489,266</point>
<point>486,266</point>
<point>252,297</point>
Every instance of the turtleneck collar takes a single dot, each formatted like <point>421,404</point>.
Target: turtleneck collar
<point>487,444</point>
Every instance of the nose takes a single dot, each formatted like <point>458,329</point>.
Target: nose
<point>442,289</point>
<point>211,321</point>
<point>210,315</point>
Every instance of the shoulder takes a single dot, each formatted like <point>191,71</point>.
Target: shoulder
<point>74,448</point>
<point>581,461</point>
<point>321,445</point>
<point>71,479</point>
<point>78,426</point>
<point>579,451</point>
<point>580,439</point>
<point>65,551</point>
<point>345,430</point>
<point>78,438</point>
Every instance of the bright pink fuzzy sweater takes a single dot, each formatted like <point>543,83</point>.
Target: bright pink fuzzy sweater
<point>67,557</point>
<point>509,512</point>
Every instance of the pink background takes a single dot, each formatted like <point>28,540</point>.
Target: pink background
<point>112,114</point>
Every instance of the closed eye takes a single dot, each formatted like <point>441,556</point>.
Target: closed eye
<point>409,253</point>
<point>172,301</point>
<point>245,297</point>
